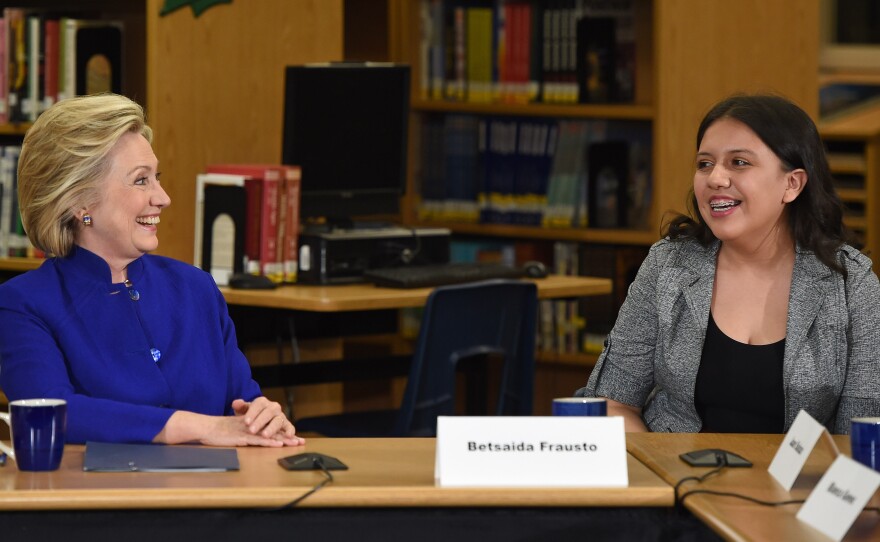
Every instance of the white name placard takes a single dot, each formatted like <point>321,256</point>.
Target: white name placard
<point>795,449</point>
<point>533,451</point>
<point>839,497</point>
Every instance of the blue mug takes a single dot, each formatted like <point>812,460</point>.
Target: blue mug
<point>580,406</point>
<point>864,438</point>
<point>38,428</point>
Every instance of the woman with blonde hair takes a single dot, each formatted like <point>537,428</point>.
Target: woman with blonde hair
<point>140,346</point>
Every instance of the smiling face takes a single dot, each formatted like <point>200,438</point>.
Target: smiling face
<point>741,186</point>
<point>124,221</point>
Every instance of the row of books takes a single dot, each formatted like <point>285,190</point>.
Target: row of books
<point>562,323</point>
<point>527,171</point>
<point>247,221</point>
<point>518,51</point>
<point>47,56</point>
<point>13,241</point>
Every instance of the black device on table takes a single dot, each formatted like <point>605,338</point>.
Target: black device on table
<point>421,276</point>
<point>311,461</point>
<point>246,281</point>
<point>713,457</point>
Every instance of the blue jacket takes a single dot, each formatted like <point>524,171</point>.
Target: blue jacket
<point>831,365</point>
<point>66,331</point>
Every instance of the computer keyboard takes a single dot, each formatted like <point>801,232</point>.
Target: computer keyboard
<point>420,276</point>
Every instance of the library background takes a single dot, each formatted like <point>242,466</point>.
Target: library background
<point>559,131</point>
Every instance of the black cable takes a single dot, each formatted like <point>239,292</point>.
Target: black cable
<point>698,479</point>
<point>679,499</point>
<point>318,462</point>
<point>407,256</point>
<point>738,496</point>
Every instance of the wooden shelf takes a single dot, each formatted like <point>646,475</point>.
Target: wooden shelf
<point>20,264</point>
<point>852,194</point>
<point>856,124</point>
<point>599,111</point>
<point>858,223</point>
<point>852,164</point>
<point>14,129</point>
<point>853,138</point>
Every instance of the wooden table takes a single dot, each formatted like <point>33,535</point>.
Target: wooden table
<point>388,493</point>
<point>363,297</point>
<point>382,472</point>
<point>737,519</point>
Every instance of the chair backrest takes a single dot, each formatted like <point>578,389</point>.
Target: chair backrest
<point>488,316</point>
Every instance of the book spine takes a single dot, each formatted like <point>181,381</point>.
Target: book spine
<point>269,261</point>
<point>33,104</point>
<point>4,70</point>
<point>51,40</point>
<point>17,62</point>
<point>290,241</point>
<point>5,202</point>
<point>67,59</point>
<point>253,190</point>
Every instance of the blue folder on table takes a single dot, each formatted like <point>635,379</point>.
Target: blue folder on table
<point>112,457</point>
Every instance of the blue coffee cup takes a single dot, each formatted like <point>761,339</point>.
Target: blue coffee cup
<point>38,428</point>
<point>864,438</point>
<point>580,406</point>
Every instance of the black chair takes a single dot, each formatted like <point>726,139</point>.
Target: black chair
<point>495,317</point>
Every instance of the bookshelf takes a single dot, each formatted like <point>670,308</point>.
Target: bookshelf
<point>853,140</point>
<point>132,15</point>
<point>683,64</point>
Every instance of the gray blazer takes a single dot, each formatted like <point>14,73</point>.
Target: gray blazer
<point>831,366</point>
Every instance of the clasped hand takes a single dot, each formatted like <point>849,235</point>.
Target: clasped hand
<point>260,422</point>
<point>256,423</point>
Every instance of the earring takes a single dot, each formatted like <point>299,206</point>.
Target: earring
<point>87,220</point>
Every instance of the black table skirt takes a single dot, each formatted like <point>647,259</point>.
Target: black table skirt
<point>358,525</point>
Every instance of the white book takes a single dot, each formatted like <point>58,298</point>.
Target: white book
<point>202,179</point>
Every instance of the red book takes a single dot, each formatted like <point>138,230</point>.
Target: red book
<point>289,225</point>
<point>50,81</point>
<point>262,215</point>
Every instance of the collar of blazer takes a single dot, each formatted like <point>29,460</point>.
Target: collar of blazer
<point>811,282</point>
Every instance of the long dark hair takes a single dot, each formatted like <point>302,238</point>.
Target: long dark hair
<point>816,215</point>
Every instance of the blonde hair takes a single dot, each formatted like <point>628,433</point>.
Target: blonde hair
<point>64,157</point>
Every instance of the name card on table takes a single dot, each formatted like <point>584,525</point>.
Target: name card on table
<point>795,449</point>
<point>534,451</point>
<point>839,497</point>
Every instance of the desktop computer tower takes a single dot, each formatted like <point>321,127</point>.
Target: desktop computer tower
<point>342,256</point>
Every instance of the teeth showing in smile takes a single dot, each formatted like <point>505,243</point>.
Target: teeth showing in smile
<point>723,204</point>
<point>148,220</point>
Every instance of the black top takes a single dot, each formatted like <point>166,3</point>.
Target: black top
<point>739,386</point>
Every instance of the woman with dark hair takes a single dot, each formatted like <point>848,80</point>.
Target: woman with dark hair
<point>754,307</point>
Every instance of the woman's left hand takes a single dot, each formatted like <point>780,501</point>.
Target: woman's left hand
<point>266,418</point>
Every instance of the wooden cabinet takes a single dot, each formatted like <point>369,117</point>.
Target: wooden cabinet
<point>689,55</point>
<point>853,142</point>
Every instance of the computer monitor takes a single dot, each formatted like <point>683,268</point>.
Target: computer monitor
<point>345,125</point>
